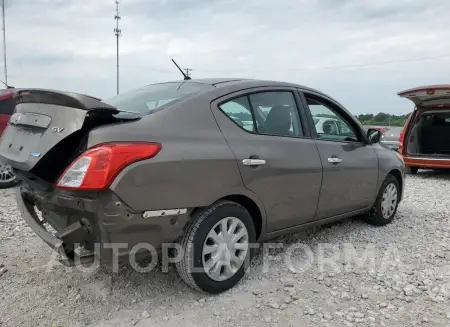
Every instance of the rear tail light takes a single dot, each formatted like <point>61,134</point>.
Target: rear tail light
<point>96,168</point>
<point>401,140</point>
<point>402,137</point>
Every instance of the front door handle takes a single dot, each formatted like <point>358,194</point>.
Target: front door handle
<point>334,160</point>
<point>253,162</point>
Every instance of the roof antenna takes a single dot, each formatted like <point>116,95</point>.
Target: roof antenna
<point>186,76</point>
<point>7,86</point>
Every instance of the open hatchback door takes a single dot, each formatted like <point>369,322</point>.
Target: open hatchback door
<point>425,140</point>
<point>49,128</point>
<point>433,96</point>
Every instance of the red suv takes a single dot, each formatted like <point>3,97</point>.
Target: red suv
<point>7,177</point>
<point>425,139</point>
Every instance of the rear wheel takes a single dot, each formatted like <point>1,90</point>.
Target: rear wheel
<point>385,207</point>
<point>411,170</point>
<point>7,177</point>
<point>216,247</point>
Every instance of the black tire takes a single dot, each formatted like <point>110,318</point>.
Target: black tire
<point>411,170</point>
<point>376,216</point>
<point>194,238</point>
<point>5,185</point>
<point>7,177</point>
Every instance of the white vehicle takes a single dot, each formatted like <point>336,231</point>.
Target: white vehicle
<point>331,126</point>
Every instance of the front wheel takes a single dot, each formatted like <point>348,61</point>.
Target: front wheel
<point>7,177</point>
<point>385,206</point>
<point>216,247</point>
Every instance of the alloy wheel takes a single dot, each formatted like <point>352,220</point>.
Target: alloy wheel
<point>6,174</point>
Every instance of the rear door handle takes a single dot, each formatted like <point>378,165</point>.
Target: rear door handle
<point>253,162</point>
<point>334,160</point>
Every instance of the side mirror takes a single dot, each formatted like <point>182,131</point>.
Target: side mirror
<point>373,135</point>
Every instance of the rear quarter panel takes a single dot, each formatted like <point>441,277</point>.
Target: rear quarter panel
<point>194,168</point>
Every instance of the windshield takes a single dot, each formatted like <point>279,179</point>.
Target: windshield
<point>316,120</point>
<point>145,100</point>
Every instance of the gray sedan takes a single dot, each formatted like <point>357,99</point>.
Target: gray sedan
<point>213,166</point>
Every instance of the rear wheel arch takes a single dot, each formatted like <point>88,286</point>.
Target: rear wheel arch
<point>253,206</point>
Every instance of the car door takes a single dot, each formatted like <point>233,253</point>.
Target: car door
<point>350,166</point>
<point>277,158</point>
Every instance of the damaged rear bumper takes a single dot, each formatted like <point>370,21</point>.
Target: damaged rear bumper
<point>103,221</point>
<point>59,242</point>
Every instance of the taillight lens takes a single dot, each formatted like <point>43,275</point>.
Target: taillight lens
<point>401,140</point>
<point>96,168</point>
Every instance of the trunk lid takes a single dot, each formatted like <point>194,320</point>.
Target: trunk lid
<point>43,119</point>
<point>428,97</point>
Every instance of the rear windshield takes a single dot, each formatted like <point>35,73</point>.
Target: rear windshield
<point>149,98</point>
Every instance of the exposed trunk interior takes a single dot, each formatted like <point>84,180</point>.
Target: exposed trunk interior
<point>55,161</point>
<point>430,134</point>
<point>50,129</point>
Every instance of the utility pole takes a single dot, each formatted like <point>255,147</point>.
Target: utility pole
<point>118,33</point>
<point>4,42</point>
<point>188,70</point>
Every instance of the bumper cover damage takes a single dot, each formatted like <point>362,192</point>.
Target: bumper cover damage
<point>63,241</point>
<point>101,224</point>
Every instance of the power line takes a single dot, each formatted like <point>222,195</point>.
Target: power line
<point>117,33</point>
<point>159,70</point>
<point>381,63</point>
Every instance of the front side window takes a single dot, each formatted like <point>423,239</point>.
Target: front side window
<point>274,113</point>
<point>328,122</point>
<point>344,129</point>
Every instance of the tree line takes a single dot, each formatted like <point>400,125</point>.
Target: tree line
<point>382,119</point>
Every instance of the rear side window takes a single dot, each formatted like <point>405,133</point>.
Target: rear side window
<point>271,113</point>
<point>239,111</point>
<point>149,98</point>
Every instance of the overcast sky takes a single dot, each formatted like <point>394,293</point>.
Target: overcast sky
<point>70,44</point>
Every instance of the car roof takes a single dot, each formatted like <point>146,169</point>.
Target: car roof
<point>247,82</point>
<point>214,81</point>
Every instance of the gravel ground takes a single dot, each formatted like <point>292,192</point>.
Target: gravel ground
<point>406,284</point>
